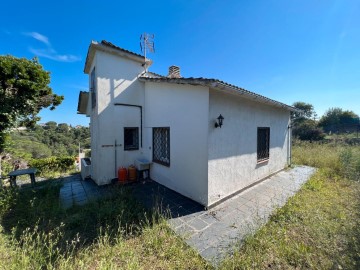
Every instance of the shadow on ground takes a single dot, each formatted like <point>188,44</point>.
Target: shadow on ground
<point>149,193</point>
<point>85,210</point>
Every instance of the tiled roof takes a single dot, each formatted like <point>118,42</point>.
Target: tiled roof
<point>107,43</point>
<point>215,83</point>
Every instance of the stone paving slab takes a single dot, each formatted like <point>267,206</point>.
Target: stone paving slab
<point>214,233</point>
<point>78,192</point>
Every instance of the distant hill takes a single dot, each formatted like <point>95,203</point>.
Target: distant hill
<point>49,139</point>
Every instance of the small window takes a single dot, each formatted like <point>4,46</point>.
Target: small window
<point>93,88</point>
<point>263,143</point>
<point>161,145</point>
<point>131,138</point>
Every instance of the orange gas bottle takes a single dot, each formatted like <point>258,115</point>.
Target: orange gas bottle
<point>132,173</point>
<point>122,174</point>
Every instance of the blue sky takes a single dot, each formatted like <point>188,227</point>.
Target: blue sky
<point>306,50</point>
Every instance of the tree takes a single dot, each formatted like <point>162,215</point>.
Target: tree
<point>349,118</point>
<point>63,128</point>
<point>335,120</point>
<point>24,91</point>
<point>304,122</point>
<point>307,111</point>
<point>51,125</point>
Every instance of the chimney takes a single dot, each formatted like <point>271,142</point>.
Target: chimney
<point>174,72</point>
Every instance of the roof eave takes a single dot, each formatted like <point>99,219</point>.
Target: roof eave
<point>96,46</point>
<point>252,96</point>
<point>221,86</point>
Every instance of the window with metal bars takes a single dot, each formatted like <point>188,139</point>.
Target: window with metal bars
<point>161,145</point>
<point>93,88</point>
<point>263,143</point>
<point>131,138</point>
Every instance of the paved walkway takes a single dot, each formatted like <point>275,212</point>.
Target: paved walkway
<point>213,233</point>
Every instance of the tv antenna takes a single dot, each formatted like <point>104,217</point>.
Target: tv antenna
<point>147,45</point>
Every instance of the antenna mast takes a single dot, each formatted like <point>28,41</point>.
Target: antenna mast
<point>147,45</point>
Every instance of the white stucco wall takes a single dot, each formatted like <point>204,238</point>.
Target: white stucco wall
<point>116,83</point>
<point>232,152</point>
<point>183,108</point>
<point>93,126</point>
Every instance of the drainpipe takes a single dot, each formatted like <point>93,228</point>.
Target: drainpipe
<point>289,143</point>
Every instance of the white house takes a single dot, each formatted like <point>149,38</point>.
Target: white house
<point>172,121</point>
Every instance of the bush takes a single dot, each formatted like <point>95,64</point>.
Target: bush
<point>53,164</point>
<point>307,131</point>
<point>350,160</point>
<point>7,199</point>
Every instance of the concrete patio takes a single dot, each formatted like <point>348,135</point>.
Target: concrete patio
<point>215,232</point>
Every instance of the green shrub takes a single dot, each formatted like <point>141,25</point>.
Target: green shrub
<point>6,167</point>
<point>7,199</point>
<point>308,131</point>
<point>52,164</point>
<point>350,161</point>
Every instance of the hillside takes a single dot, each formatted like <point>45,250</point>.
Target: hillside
<point>46,140</point>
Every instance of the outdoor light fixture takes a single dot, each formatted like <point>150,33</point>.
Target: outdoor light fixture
<point>219,123</point>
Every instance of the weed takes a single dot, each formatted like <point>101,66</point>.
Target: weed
<point>318,228</point>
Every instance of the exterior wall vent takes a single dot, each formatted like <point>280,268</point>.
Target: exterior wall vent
<point>174,72</point>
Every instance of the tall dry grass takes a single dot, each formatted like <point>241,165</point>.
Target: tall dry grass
<point>341,159</point>
<point>318,228</point>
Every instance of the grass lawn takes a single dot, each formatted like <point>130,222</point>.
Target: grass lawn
<point>319,228</point>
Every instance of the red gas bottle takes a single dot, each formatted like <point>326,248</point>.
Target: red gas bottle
<point>122,174</point>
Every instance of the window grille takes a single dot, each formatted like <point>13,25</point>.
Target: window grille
<point>93,88</point>
<point>263,143</point>
<point>161,145</point>
<point>131,138</point>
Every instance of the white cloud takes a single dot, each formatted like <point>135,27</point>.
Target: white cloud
<point>39,37</point>
<point>53,55</point>
<point>49,52</point>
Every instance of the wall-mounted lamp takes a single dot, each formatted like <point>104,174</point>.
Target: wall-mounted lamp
<point>219,123</point>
